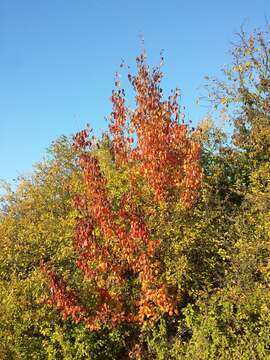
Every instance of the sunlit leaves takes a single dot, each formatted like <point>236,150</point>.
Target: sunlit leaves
<point>114,245</point>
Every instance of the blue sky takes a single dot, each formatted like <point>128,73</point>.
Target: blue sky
<point>58,59</point>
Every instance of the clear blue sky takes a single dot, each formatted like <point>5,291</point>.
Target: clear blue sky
<point>58,59</point>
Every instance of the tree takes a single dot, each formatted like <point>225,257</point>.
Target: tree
<point>116,241</point>
<point>245,93</point>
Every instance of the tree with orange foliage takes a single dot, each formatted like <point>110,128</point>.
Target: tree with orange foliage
<point>116,248</point>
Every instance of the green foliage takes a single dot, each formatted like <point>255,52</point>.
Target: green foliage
<point>244,95</point>
<point>37,222</point>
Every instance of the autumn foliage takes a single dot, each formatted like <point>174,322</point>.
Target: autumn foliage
<point>114,245</point>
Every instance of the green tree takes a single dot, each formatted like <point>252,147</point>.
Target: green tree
<point>36,223</point>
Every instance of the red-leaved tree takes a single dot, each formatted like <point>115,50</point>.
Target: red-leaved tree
<point>115,247</point>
